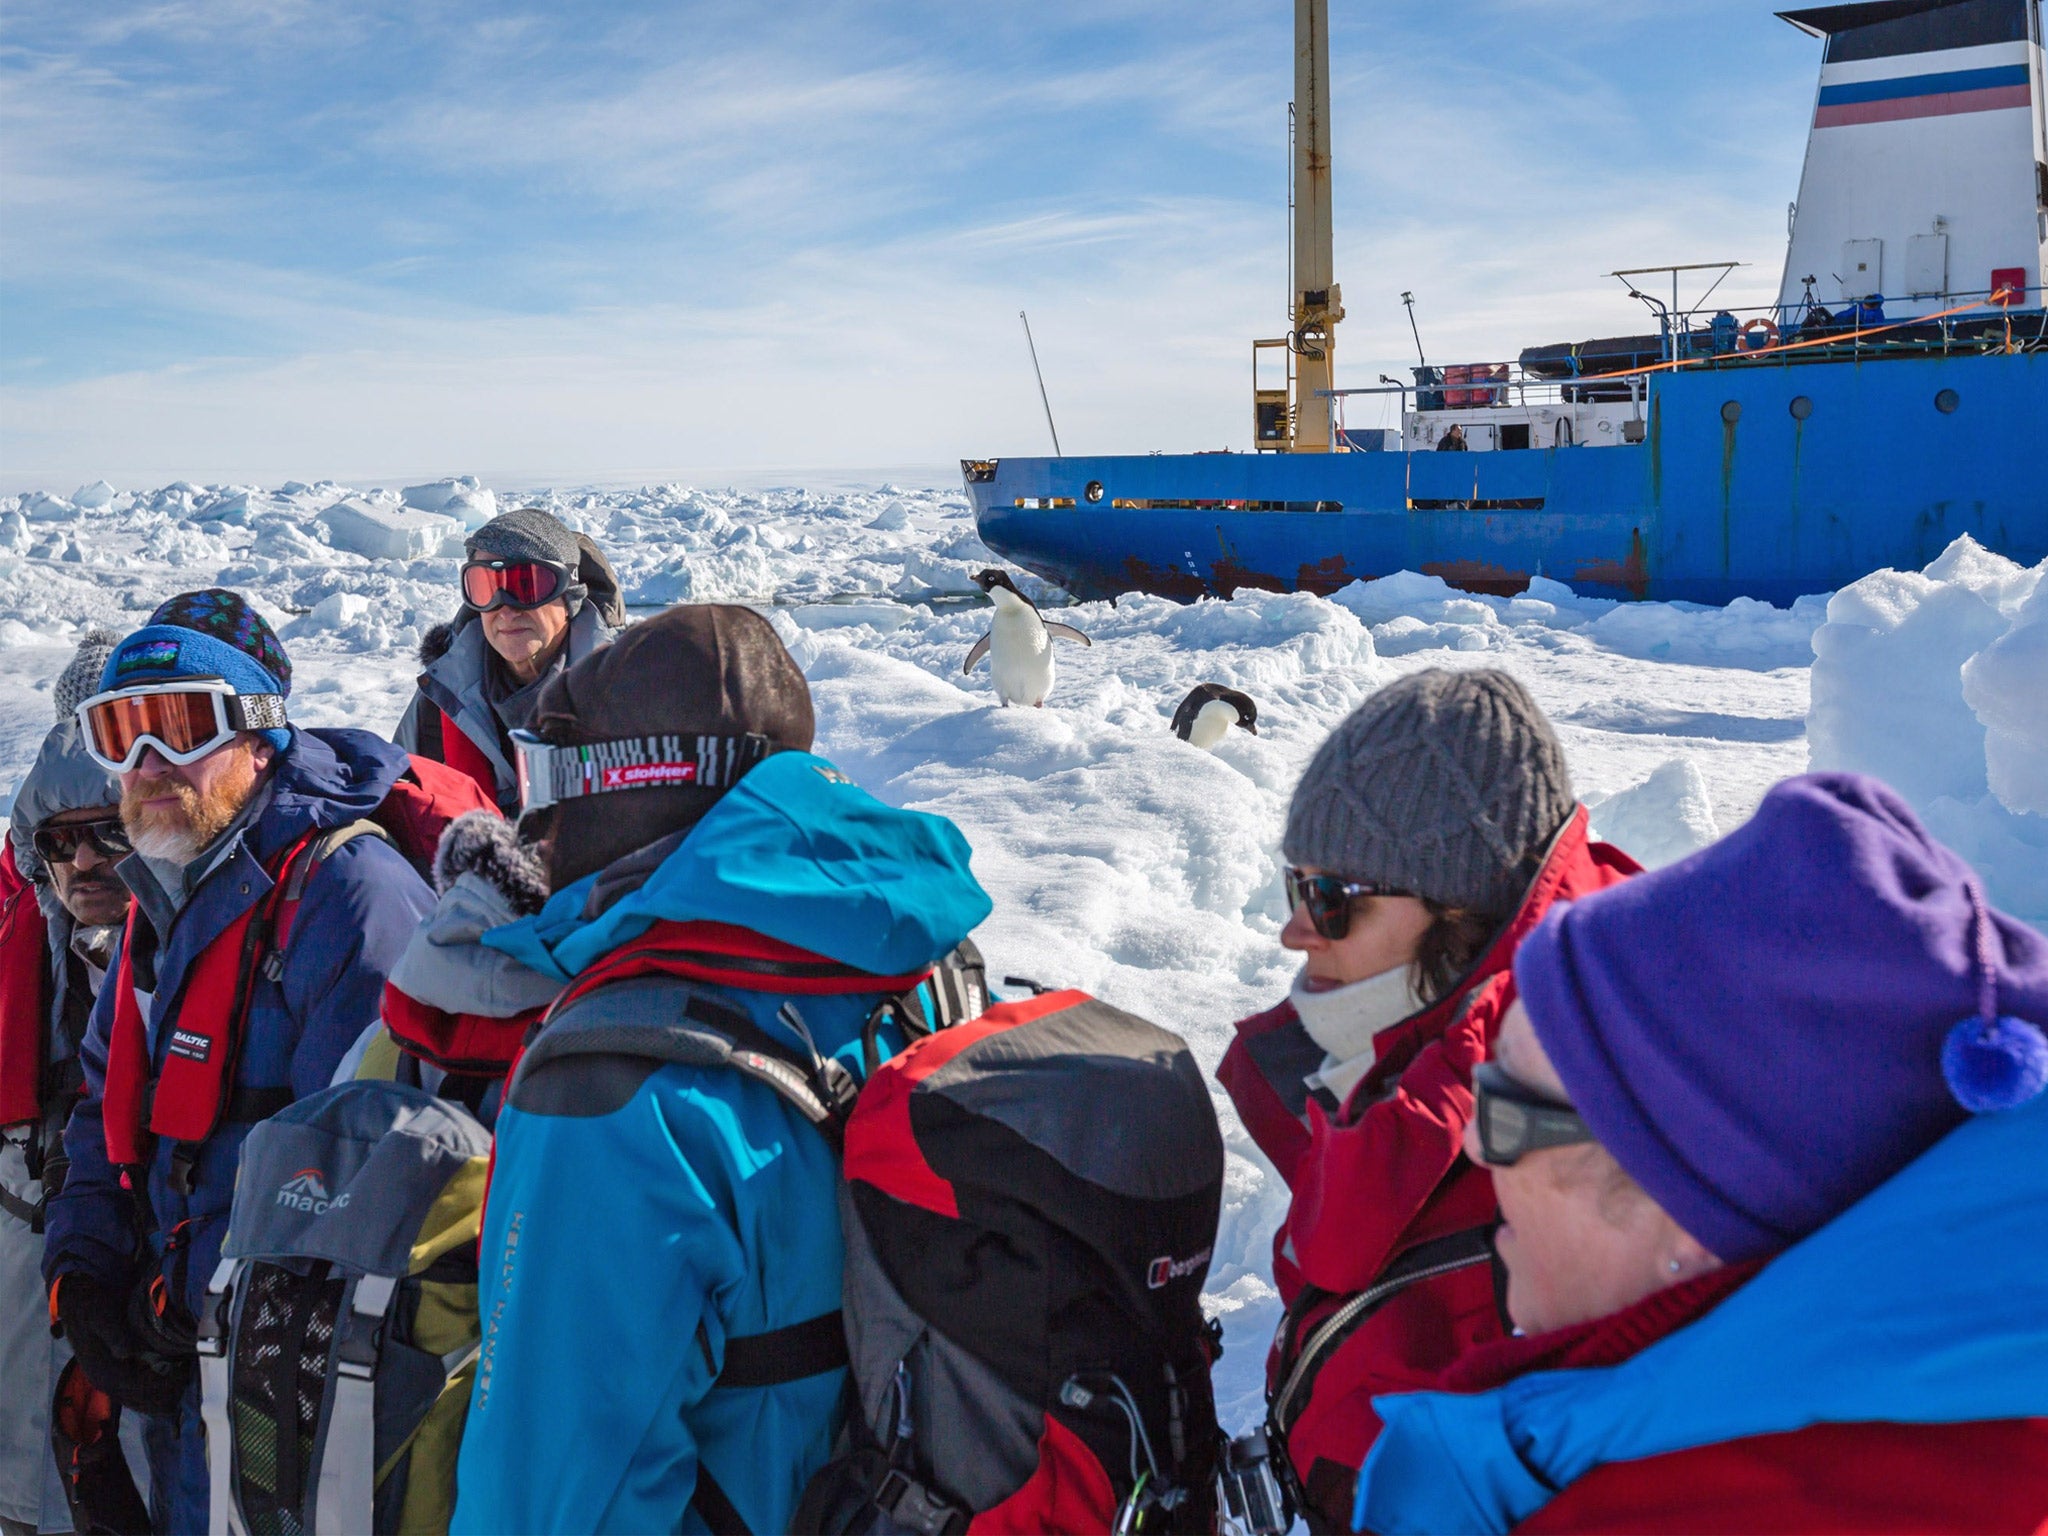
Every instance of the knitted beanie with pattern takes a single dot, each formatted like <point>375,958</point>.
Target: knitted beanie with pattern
<point>1449,785</point>
<point>81,679</point>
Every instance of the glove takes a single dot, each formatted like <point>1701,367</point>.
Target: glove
<point>94,1317</point>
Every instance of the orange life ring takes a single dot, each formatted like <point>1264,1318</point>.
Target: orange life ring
<point>1769,328</point>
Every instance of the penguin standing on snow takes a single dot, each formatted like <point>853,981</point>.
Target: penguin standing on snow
<point>1209,711</point>
<point>1018,644</point>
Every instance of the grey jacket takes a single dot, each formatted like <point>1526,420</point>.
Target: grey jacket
<point>457,684</point>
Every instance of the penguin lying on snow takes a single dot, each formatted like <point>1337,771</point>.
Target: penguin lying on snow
<point>1018,644</point>
<point>1209,711</point>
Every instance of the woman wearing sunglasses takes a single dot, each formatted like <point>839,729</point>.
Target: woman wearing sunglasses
<point>1769,1137</point>
<point>1430,833</point>
<point>536,598</point>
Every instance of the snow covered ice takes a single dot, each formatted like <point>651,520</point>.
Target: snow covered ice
<point>1121,860</point>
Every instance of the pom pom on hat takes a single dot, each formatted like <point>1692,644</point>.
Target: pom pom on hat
<point>1994,1064</point>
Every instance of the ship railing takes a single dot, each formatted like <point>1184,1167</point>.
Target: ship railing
<point>1960,321</point>
<point>1509,387</point>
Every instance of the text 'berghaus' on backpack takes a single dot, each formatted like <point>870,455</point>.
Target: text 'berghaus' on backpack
<point>339,1335</point>
<point>1030,1202</point>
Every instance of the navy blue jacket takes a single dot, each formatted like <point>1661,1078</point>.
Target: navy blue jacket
<point>357,913</point>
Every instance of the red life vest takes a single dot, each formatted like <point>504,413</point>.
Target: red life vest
<point>201,1026</point>
<point>24,993</point>
<point>465,756</point>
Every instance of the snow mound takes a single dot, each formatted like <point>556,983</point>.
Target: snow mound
<point>461,498</point>
<point>1661,820</point>
<point>1936,681</point>
<point>2006,687</point>
<point>386,533</point>
<point>93,497</point>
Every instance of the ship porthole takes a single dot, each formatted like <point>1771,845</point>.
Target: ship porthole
<point>1801,407</point>
<point>1731,411</point>
<point>1946,402</point>
<point>1094,490</point>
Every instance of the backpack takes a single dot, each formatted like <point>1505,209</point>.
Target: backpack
<point>1029,1203</point>
<point>340,1330</point>
<point>350,1259</point>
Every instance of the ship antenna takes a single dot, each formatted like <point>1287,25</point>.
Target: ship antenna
<point>1409,300</point>
<point>1055,431</point>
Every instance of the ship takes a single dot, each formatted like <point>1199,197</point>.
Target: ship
<point>1892,398</point>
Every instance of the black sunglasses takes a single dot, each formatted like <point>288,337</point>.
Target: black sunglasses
<point>1329,897</point>
<point>1515,1120</point>
<point>59,843</point>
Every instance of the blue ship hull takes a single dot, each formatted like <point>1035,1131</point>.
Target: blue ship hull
<point>1705,509</point>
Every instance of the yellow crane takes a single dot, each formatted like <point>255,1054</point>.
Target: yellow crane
<point>1296,417</point>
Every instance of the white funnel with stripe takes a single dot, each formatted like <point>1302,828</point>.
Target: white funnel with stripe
<point>1926,174</point>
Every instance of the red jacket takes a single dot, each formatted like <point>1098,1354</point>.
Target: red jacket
<point>24,992</point>
<point>1825,1478</point>
<point>1379,1180</point>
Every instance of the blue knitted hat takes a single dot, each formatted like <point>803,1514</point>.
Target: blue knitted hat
<point>214,633</point>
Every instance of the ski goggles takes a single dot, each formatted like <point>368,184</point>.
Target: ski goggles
<point>59,842</point>
<point>550,774</point>
<point>1328,898</point>
<point>183,720</point>
<point>1515,1120</point>
<point>488,584</point>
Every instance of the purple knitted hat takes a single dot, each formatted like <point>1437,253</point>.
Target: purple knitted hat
<point>1765,1032</point>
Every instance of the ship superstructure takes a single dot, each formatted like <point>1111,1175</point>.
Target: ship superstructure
<point>1891,398</point>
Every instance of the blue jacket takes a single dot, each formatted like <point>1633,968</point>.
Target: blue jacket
<point>623,1247</point>
<point>356,915</point>
<point>1922,1304</point>
<point>352,924</point>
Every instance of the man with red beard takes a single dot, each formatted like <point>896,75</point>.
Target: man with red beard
<point>255,954</point>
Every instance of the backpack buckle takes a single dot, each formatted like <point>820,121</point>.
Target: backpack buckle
<point>915,1508</point>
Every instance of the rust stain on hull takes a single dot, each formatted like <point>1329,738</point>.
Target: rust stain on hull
<point>1228,576</point>
<point>1163,580</point>
<point>1478,576</point>
<point>1631,573</point>
<point>1323,577</point>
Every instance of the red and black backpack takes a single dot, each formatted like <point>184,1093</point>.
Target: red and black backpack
<point>1029,1203</point>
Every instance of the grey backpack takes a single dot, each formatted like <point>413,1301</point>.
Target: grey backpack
<point>339,1334</point>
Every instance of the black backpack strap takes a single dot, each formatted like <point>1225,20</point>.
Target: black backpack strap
<point>809,1348</point>
<point>641,1020</point>
<point>1303,1356</point>
<point>718,1510</point>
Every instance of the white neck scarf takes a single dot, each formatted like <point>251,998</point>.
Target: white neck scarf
<point>1345,1020</point>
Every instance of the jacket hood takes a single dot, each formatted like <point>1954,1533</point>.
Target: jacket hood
<point>326,779</point>
<point>444,966</point>
<point>64,777</point>
<point>1930,1291</point>
<point>796,851</point>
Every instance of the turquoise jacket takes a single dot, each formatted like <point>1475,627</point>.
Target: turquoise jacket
<point>1922,1304</point>
<point>621,1249</point>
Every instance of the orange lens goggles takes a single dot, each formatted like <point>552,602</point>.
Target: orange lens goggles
<point>183,721</point>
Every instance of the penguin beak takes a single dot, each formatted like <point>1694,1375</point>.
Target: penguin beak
<point>1250,725</point>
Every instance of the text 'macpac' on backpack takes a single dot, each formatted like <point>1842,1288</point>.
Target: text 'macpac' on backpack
<point>1029,1204</point>
<point>340,1331</point>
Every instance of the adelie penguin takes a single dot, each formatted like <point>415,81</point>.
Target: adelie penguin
<point>1018,644</point>
<point>1209,711</point>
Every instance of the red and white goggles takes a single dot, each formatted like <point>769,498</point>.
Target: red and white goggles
<point>184,719</point>
<point>550,774</point>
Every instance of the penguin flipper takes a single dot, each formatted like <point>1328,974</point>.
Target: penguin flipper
<point>974,656</point>
<point>1066,632</point>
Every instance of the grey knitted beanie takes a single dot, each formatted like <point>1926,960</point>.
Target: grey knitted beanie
<point>1443,784</point>
<point>80,680</point>
<point>528,533</point>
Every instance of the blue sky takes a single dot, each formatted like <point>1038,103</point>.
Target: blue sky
<point>257,238</point>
